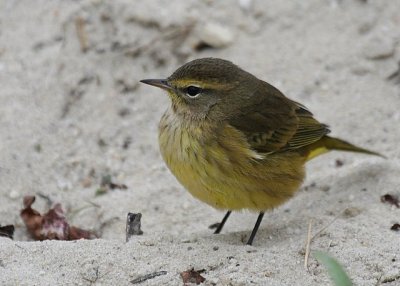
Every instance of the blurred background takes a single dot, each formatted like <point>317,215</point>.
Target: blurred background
<point>73,113</point>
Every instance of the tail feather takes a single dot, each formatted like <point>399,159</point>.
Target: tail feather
<point>326,144</point>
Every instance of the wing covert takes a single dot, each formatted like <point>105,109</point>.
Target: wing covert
<point>277,123</point>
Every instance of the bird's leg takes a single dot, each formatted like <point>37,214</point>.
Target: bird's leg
<point>221,224</point>
<point>255,229</point>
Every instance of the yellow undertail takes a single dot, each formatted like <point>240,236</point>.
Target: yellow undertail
<point>326,144</point>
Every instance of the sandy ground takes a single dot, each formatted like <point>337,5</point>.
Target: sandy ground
<point>72,111</point>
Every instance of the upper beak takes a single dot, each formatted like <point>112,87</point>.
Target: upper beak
<point>161,83</point>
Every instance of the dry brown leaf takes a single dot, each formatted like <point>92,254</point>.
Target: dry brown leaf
<point>390,199</point>
<point>395,227</point>
<point>192,276</point>
<point>51,225</point>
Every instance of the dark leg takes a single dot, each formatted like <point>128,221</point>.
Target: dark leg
<point>221,224</point>
<point>253,233</point>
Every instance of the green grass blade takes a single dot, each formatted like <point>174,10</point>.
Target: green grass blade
<point>335,270</point>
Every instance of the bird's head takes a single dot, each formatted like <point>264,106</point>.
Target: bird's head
<point>207,88</point>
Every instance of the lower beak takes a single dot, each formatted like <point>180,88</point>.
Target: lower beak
<point>161,83</point>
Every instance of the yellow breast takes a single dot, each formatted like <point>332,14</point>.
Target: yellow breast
<point>218,167</point>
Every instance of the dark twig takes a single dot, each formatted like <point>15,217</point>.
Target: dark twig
<point>49,201</point>
<point>133,225</point>
<point>143,278</point>
<point>7,231</point>
<point>81,32</point>
<point>395,77</point>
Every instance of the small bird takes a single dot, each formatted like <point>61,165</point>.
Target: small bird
<point>236,142</point>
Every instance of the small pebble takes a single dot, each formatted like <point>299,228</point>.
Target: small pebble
<point>325,188</point>
<point>361,68</point>
<point>233,261</point>
<point>339,163</point>
<point>351,212</point>
<point>250,249</point>
<point>216,35</point>
<point>367,24</point>
<point>297,231</point>
<point>245,4</point>
<point>379,47</point>
<point>14,194</point>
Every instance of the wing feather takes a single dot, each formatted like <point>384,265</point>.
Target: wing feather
<point>277,123</point>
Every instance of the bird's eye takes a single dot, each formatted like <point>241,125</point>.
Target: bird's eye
<point>193,91</point>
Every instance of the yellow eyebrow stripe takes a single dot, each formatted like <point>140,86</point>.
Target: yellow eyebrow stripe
<point>182,83</point>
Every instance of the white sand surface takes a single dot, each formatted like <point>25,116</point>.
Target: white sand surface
<point>68,107</point>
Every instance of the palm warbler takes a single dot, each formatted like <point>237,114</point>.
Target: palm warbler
<point>236,142</point>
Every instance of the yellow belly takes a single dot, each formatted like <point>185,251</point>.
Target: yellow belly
<point>222,171</point>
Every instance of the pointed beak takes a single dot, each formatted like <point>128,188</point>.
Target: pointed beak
<point>161,83</point>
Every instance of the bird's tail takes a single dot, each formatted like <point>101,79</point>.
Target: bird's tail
<point>326,144</point>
